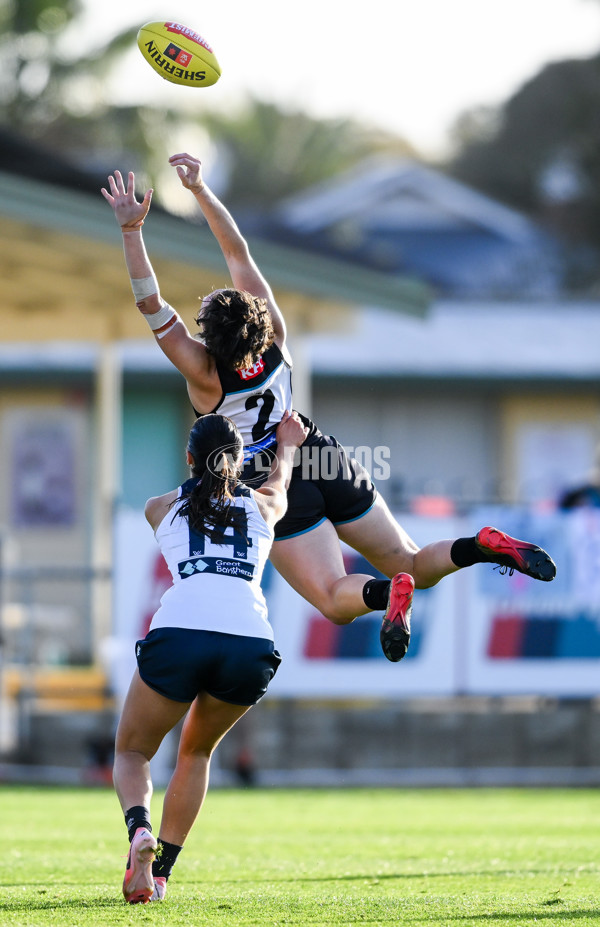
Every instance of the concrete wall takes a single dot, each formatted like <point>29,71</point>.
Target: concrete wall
<point>465,741</point>
<point>462,741</point>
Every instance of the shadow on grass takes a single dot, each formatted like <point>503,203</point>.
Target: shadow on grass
<point>387,876</point>
<point>524,916</point>
<point>57,904</point>
<point>543,911</point>
<point>498,917</point>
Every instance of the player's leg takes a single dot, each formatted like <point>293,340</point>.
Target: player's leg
<point>207,722</point>
<point>362,519</point>
<point>239,672</point>
<point>384,543</point>
<point>313,565</point>
<point>146,718</point>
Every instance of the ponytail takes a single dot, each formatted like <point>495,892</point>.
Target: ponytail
<point>215,445</point>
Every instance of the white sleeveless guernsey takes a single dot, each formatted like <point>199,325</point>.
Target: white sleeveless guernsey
<point>216,587</point>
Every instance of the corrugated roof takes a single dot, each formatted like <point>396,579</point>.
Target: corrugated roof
<point>76,212</point>
<point>474,341</point>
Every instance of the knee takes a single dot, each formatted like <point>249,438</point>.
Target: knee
<point>341,619</point>
<point>137,754</point>
<point>424,583</point>
<point>335,615</point>
<point>194,753</point>
<point>407,556</point>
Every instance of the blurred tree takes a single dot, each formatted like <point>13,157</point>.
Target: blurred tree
<point>44,76</point>
<point>272,152</point>
<point>540,152</point>
<point>53,91</point>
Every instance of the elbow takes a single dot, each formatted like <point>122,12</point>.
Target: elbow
<point>149,305</point>
<point>237,253</point>
<point>281,510</point>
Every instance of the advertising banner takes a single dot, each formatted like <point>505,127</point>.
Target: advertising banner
<point>522,636</point>
<point>479,631</point>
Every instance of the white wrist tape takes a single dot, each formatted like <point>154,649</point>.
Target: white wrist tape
<point>143,287</point>
<point>162,321</point>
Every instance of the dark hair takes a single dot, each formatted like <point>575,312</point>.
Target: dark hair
<point>215,444</point>
<point>236,327</point>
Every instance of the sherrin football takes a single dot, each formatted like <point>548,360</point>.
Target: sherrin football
<point>179,54</point>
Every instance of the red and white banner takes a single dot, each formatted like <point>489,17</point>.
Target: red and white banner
<point>476,632</point>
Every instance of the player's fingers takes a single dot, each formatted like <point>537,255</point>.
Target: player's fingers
<point>183,156</point>
<point>119,183</point>
<point>130,184</point>
<point>192,167</point>
<point>107,195</point>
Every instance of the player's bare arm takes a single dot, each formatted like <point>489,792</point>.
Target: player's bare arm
<point>186,353</point>
<point>245,275</point>
<point>157,507</point>
<point>271,496</point>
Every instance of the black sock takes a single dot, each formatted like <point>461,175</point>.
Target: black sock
<point>465,552</point>
<point>137,816</point>
<point>375,594</point>
<point>166,857</point>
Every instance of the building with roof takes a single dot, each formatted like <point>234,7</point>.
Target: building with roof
<point>489,391</point>
<point>92,416</point>
<point>494,393</point>
<point>400,216</point>
<point>470,399</point>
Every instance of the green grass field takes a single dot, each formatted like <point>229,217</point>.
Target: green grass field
<point>369,857</point>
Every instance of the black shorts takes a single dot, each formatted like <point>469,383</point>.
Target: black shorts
<point>325,484</point>
<point>179,663</point>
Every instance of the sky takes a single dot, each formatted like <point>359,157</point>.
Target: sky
<point>410,68</point>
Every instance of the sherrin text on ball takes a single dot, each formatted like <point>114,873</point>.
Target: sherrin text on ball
<point>178,54</point>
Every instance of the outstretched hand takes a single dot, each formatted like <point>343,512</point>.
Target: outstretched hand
<point>189,171</point>
<point>290,430</point>
<point>128,212</point>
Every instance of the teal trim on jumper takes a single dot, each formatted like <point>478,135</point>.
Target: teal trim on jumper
<point>350,520</point>
<point>306,530</point>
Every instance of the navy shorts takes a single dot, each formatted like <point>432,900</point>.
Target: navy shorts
<point>326,484</point>
<point>179,663</point>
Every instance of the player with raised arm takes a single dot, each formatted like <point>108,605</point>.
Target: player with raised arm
<point>240,365</point>
<point>209,654</point>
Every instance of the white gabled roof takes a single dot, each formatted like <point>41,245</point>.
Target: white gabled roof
<point>401,193</point>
